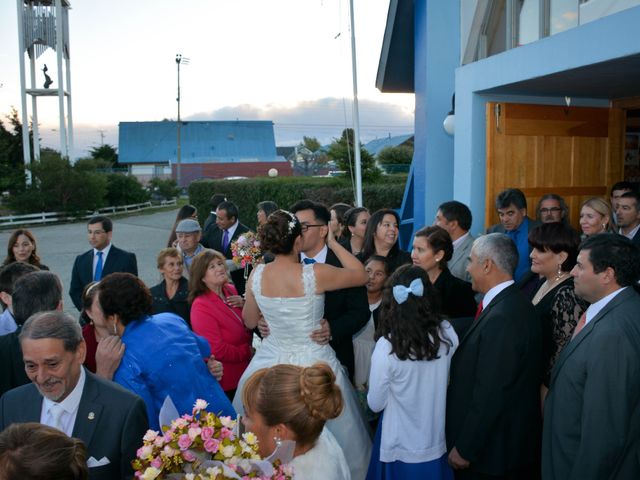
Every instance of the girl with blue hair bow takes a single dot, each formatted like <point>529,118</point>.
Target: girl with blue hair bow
<point>408,380</point>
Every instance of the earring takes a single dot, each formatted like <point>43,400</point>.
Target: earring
<point>115,329</point>
<point>278,441</point>
<point>559,272</point>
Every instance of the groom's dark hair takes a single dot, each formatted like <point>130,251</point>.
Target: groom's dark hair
<point>320,211</point>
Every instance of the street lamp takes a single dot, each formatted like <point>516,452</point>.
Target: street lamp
<point>184,61</point>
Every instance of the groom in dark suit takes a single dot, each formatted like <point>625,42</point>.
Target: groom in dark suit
<point>592,410</point>
<point>110,420</point>
<point>103,259</point>
<point>493,401</point>
<point>221,238</point>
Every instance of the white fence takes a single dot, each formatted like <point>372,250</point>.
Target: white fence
<point>51,217</point>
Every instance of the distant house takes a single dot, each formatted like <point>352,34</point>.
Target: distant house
<point>375,146</point>
<point>209,149</point>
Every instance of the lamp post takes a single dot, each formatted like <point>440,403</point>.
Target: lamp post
<point>179,60</point>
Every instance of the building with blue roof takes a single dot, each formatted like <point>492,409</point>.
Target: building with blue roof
<point>209,149</point>
<point>375,146</point>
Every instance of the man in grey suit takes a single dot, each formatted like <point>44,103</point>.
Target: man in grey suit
<point>511,205</point>
<point>110,420</point>
<point>592,410</point>
<point>455,217</point>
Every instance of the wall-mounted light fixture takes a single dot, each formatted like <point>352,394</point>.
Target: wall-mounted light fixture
<point>450,120</point>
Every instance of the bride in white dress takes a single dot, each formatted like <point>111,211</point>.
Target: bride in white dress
<point>290,296</point>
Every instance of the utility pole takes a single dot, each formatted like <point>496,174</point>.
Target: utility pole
<point>101,137</point>
<point>179,60</point>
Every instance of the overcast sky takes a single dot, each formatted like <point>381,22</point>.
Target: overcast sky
<point>283,60</point>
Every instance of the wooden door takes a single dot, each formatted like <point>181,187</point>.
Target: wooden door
<point>575,152</point>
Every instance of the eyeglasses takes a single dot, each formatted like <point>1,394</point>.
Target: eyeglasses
<point>96,232</point>
<point>306,226</point>
<point>550,210</point>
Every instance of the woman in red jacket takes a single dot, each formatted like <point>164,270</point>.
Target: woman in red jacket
<point>216,314</point>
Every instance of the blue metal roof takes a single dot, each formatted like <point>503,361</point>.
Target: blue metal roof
<point>374,146</point>
<point>200,141</point>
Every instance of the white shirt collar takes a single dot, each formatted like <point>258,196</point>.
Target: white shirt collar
<point>70,404</point>
<point>631,234</point>
<point>493,292</point>
<point>105,251</point>
<point>232,229</point>
<point>456,243</point>
<point>594,308</point>
<point>320,257</point>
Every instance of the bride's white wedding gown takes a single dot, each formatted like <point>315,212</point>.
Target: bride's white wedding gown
<point>291,320</point>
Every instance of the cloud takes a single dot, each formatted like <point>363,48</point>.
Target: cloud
<point>323,118</point>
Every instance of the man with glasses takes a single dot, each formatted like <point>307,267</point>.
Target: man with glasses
<point>103,259</point>
<point>552,209</point>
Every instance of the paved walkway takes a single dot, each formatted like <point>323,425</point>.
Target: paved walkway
<point>58,245</point>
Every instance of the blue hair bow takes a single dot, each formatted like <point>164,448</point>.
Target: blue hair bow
<point>401,293</point>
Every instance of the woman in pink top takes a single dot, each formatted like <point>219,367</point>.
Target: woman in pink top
<point>216,314</point>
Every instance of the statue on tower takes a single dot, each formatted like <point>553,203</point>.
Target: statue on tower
<point>47,78</point>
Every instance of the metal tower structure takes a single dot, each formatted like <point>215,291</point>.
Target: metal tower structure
<point>44,24</point>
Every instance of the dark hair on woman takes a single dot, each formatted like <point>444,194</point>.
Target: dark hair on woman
<point>186,211</point>
<point>34,259</point>
<point>556,237</point>
<point>369,246</point>
<point>412,327</point>
<point>88,294</point>
<point>38,452</point>
<point>198,270</point>
<point>438,239</point>
<point>301,398</point>
<point>341,209</point>
<point>350,219</point>
<point>268,207</point>
<point>125,295</point>
<point>280,232</point>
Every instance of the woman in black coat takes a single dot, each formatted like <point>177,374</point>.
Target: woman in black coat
<point>432,249</point>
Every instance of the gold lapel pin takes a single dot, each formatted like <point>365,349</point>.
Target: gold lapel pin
<point>91,416</point>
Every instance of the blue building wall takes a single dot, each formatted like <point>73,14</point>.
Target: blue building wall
<point>201,142</point>
<point>608,38</point>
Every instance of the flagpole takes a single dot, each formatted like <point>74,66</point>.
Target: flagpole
<point>356,115</point>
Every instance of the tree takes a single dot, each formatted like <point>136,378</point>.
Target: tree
<point>105,152</point>
<point>311,143</point>
<point>394,159</point>
<point>125,190</point>
<point>166,188</point>
<point>342,151</point>
<point>12,171</point>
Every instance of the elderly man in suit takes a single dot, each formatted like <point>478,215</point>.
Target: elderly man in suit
<point>221,238</point>
<point>493,405</point>
<point>511,205</point>
<point>110,420</point>
<point>455,217</point>
<point>103,259</point>
<point>592,411</point>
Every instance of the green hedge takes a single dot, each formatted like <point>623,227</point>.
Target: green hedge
<point>285,191</point>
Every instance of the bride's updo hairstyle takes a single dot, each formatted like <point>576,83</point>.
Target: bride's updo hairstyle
<point>280,232</point>
<point>302,398</point>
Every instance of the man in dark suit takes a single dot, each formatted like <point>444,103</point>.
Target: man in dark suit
<point>346,310</point>
<point>592,410</point>
<point>221,238</point>
<point>34,292</point>
<point>110,420</point>
<point>628,216</point>
<point>100,261</point>
<point>493,402</point>
<point>215,200</point>
<point>511,205</point>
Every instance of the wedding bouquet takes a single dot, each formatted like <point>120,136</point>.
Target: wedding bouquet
<point>203,446</point>
<point>246,251</point>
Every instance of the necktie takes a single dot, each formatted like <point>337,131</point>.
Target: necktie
<point>225,240</point>
<point>56,411</point>
<point>580,325</point>
<point>98,275</point>
<point>478,311</point>
<point>308,261</point>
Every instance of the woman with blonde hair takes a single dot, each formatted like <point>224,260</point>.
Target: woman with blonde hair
<point>595,217</point>
<point>290,402</point>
